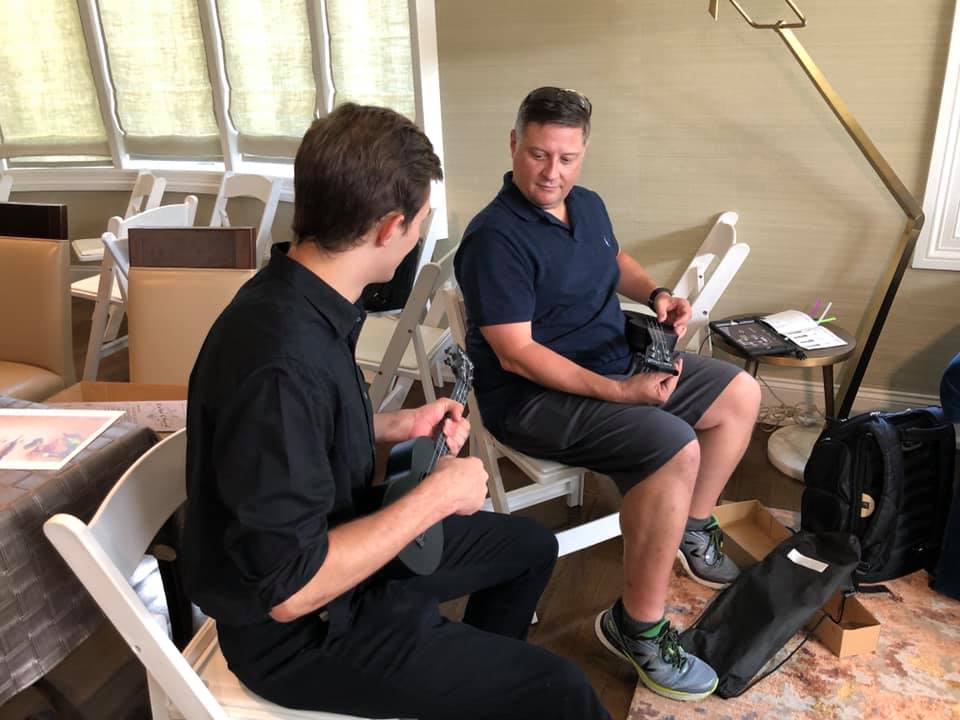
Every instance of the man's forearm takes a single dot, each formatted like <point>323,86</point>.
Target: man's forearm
<point>392,427</point>
<point>359,548</point>
<point>545,367</point>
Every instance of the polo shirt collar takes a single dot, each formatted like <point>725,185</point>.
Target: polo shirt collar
<point>345,317</point>
<point>511,196</point>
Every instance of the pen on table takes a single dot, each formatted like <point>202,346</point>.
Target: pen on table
<point>825,311</point>
<point>824,321</point>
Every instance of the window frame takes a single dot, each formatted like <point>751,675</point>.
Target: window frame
<point>204,177</point>
<point>938,247</point>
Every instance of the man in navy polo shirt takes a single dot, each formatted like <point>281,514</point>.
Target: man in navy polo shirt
<point>540,269</point>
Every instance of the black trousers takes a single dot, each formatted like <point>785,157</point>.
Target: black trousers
<point>397,657</point>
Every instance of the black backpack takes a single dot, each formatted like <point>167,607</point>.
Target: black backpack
<point>888,479</point>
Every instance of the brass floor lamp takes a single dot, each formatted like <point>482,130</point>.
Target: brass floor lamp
<point>880,304</point>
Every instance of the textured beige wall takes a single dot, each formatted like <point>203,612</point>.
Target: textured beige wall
<point>692,118</point>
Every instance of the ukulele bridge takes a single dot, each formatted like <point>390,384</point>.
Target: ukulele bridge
<point>652,343</point>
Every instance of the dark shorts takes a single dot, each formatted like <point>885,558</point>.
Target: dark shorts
<point>626,442</point>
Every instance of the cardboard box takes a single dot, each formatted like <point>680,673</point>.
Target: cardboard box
<point>163,408</point>
<point>103,392</point>
<point>750,532</point>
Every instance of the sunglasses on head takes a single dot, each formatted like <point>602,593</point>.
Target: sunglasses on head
<point>556,94</point>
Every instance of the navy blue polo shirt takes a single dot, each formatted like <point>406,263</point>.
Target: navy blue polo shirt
<point>519,263</point>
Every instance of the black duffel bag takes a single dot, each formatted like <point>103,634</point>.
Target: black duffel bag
<point>750,621</point>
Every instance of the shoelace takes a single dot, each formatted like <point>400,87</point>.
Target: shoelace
<point>669,643</point>
<point>716,543</point>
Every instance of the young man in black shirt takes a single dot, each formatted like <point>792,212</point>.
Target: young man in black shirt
<point>285,546</point>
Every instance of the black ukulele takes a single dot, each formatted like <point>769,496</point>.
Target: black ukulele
<point>410,461</point>
<point>652,343</point>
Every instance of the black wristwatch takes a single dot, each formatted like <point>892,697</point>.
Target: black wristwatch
<point>653,295</point>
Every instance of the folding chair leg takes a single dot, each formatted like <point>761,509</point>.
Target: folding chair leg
<point>98,327</point>
<point>498,496</point>
<point>575,496</point>
<point>114,318</point>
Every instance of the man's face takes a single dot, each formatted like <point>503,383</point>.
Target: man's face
<point>546,162</point>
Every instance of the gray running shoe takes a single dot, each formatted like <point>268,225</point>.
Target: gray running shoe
<point>661,663</point>
<point>701,554</point>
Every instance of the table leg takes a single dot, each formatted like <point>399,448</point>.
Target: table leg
<point>752,366</point>
<point>828,392</point>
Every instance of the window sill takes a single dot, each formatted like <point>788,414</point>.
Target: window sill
<point>198,178</point>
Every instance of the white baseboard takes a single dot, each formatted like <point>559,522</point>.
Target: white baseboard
<point>792,392</point>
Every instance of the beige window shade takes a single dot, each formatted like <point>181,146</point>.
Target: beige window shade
<point>370,53</point>
<point>48,102</point>
<point>159,72</point>
<point>269,65</point>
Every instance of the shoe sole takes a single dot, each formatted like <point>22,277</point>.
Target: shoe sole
<point>696,578</point>
<point>650,684</point>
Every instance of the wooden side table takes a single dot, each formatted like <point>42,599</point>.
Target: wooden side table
<point>790,446</point>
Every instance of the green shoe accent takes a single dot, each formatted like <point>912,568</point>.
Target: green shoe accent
<point>654,631</point>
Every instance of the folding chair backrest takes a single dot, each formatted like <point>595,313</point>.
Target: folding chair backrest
<point>710,272</point>
<point>146,194</point>
<point>412,315</point>
<point>105,553</point>
<point>259,187</point>
<point>6,182</point>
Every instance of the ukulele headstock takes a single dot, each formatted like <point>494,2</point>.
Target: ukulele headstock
<point>460,364</point>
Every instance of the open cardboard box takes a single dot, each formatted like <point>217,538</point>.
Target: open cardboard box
<point>160,407</point>
<point>750,532</point>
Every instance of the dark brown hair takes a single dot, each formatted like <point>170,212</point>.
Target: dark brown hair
<point>353,167</point>
<point>555,106</point>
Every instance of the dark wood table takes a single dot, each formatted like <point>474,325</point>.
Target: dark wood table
<point>44,611</point>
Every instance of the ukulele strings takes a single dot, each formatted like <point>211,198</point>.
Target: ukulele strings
<point>459,395</point>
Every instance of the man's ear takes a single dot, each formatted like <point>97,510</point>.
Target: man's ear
<point>513,141</point>
<point>388,227</point>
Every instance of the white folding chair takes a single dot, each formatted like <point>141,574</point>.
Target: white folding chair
<point>399,349</point>
<point>146,195</point>
<point>260,187</point>
<point>108,289</point>
<point>195,685</point>
<point>706,277</point>
<point>6,182</point>
<point>550,479</point>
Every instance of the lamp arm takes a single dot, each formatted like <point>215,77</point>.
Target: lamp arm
<point>765,26</point>
<point>876,315</point>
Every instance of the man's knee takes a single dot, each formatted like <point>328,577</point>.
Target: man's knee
<point>535,541</point>
<point>685,465</point>
<point>746,395</point>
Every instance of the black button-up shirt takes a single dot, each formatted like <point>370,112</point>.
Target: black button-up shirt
<point>279,442</point>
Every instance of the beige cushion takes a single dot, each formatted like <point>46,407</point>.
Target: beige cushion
<point>88,287</point>
<point>28,382</point>
<point>169,313</point>
<point>376,334</point>
<point>35,323</point>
